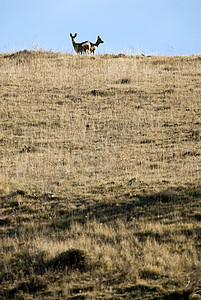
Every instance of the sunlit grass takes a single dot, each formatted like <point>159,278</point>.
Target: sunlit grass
<point>99,176</point>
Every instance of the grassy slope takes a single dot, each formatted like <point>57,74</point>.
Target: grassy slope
<point>100,154</point>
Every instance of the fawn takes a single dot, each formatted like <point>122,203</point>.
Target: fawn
<point>93,47</point>
<point>80,47</point>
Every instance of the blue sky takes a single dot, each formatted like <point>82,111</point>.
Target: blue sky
<point>164,27</point>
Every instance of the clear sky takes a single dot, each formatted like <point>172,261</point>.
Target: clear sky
<point>164,27</point>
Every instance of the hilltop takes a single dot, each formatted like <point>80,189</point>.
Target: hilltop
<point>100,176</point>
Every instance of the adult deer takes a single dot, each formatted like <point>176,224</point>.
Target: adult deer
<point>80,47</point>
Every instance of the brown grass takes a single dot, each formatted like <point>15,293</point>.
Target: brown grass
<point>100,157</point>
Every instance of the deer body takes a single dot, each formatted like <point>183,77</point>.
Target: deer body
<point>93,47</point>
<point>80,47</point>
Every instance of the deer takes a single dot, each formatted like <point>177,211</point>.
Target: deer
<point>80,47</point>
<point>93,47</point>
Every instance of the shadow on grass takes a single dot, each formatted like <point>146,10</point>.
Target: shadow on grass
<point>35,270</point>
<point>152,206</point>
<point>182,203</point>
<point>35,267</point>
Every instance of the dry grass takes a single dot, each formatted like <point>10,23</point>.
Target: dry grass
<point>100,176</point>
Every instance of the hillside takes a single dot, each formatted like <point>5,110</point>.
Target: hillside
<point>100,188</point>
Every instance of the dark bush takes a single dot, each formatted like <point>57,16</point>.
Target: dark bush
<point>71,259</point>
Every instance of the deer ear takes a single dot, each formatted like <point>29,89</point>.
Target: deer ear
<point>70,34</point>
<point>75,34</point>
